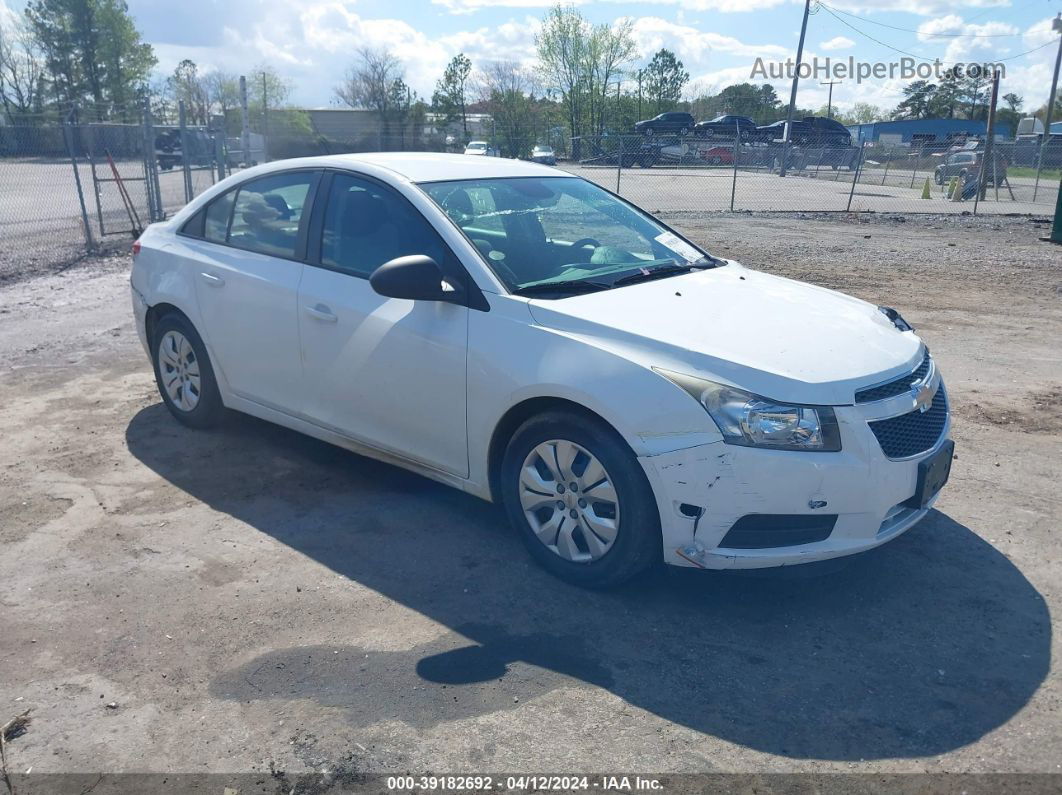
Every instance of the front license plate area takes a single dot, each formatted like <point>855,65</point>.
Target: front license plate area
<point>932,475</point>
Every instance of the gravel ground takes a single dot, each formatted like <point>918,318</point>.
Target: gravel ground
<point>252,600</point>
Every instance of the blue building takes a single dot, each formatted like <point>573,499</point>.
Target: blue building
<point>916,131</point>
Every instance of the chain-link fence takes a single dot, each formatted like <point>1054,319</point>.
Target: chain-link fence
<point>69,187</point>
<point>694,173</point>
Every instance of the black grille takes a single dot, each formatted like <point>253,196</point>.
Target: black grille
<point>768,530</point>
<point>915,432</point>
<point>893,388</point>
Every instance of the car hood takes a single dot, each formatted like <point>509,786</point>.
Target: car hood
<point>776,337</point>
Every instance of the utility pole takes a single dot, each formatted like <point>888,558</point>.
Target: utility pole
<point>245,132</point>
<point>1056,26</point>
<point>640,93</point>
<point>793,94</point>
<point>829,102</point>
<point>265,105</point>
<point>989,159</point>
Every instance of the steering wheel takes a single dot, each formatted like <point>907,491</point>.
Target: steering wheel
<point>586,241</point>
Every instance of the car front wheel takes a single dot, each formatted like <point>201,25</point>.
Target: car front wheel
<point>582,504</point>
<point>184,375</point>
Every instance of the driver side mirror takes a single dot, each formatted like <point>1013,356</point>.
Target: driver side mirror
<point>416,277</point>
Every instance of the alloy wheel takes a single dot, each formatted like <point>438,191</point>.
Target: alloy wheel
<point>179,370</point>
<point>569,501</point>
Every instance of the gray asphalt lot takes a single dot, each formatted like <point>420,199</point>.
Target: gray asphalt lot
<point>253,600</point>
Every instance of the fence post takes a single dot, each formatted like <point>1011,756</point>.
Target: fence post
<point>186,167</point>
<point>151,171</point>
<point>888,161</point>
<point>245,131</point>
<point>219,154</point>
<point>68,134</point>
<point>855,177</point>
<point>735,156</point>
<point>619,164</point>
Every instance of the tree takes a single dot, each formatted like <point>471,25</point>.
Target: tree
<point>21,72</point>
<point>265,90</point>
<point>449,97</point>
<point>223,91</point>
<point>918,100</point>
<point>370,83</point>
<point>1010,114</point>
<point>563,43</point>
<point>508,91</point>
<point>664,79</point>
<point>610,49</point>
<point>92,52</point>
<point>188,87</point>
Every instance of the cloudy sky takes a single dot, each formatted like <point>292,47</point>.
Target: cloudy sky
<point>313,41</point>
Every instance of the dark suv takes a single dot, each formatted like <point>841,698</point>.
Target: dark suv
<point>673,122</point>
<point>966,165</point>
<point>827,132</point>
<point>725,126</point>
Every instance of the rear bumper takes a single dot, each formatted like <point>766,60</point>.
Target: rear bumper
<point>864,489</point>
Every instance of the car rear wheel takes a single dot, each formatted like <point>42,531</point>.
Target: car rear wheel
<point>582,504</point>
<point>184,375</point>
<point>938,177</point>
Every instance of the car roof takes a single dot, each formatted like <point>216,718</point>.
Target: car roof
<point>422,166</point>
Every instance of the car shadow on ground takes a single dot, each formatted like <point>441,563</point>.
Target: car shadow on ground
<point>915,649</point>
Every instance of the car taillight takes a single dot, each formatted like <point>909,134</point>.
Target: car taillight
<point>136,247</point>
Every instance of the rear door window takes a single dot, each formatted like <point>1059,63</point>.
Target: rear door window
<point>217,217</point>
<point>268,211</point>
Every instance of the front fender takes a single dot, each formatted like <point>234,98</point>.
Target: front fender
<point>511,360</point>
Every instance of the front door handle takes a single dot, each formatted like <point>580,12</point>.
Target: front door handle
<point>212,279</point>
<point>322,313</point>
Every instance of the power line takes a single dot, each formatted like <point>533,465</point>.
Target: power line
<point>920,33</point>
<point>922,57</point>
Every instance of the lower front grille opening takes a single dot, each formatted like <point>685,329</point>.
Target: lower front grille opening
<point>768,530</point>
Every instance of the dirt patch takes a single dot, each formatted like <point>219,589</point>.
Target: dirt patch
<point>1035,412</point>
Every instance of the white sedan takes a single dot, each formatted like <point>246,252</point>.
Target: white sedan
<point>530,338</point>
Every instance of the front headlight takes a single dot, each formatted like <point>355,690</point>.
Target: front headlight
<point>753,421</point>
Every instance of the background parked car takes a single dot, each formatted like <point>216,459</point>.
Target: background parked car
<point>481,148</point>
<point>725,126</point>
<point>718,155</point>
<point>966,165</point>
<point>769,133</point>
<point>544,154</point>
<point>673,122</point>
<point>827,132</point>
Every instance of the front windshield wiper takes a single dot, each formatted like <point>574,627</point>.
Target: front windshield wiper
<point>658,272</point>
<point>570,286</point>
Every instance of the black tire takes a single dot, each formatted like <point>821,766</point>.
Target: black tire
<point>208,410</point>
<point>684,131</point>
<point>648,130</point>
<point>716,160</point>
<point>638,541</point>
<point>938,177</point>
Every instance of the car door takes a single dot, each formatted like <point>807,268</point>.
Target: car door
<point>387,372</point>
<point>246,267</point>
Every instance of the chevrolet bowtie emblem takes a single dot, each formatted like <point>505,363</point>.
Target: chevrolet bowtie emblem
<point>923,396</point>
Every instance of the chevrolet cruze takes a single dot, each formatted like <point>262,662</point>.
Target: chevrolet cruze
<point>530,338</point>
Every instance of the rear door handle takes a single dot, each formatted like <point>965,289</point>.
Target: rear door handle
<point>322,313</point>
<point>212,279</point>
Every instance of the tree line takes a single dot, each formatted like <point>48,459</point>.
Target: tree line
<point>588,81</point>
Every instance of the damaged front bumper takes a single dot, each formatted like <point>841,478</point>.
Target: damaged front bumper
<point>703,491</point>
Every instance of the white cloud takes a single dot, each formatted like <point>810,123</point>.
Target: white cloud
<point>923,8</point>
<point>838,43</point>
<point>694,47</point>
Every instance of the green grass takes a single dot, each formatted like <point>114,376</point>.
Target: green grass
<point>1047,175</point>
